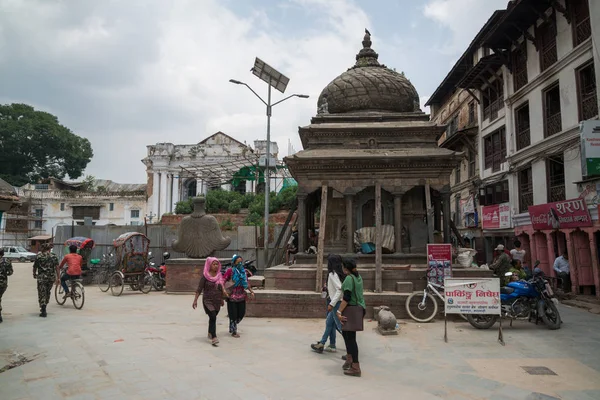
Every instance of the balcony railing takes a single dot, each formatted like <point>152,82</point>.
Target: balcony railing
<point>557,193</point>
<point>491,111</point>
<point>523,138</point>
<point>553,124</point>
<point>520,79</point>
<point>583,30</point>
<point>589,105</point>
<point>549,56</point>
<point>525,200</point>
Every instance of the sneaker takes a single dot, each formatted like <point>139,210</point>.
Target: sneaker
<point>66,296</point>
<point>331,349</point>
<point>318,347</point>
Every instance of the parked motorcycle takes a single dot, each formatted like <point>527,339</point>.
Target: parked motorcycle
<point>159,273</point>
<point>248,265</point>
<point>530,300</point>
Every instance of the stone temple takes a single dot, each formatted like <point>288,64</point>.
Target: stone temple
<point>369,147</point>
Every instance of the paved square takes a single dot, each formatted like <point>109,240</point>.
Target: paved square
<point>154,347</point>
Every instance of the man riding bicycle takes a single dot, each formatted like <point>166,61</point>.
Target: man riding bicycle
<point>73,271</point>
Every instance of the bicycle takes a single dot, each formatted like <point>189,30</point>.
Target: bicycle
<point>75,289</point>
<point>427,304</point>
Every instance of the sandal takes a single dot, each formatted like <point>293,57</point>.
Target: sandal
<point>235,335</point>
<point>215,341</point>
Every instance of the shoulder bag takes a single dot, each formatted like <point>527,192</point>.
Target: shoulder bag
<point>354,315</point>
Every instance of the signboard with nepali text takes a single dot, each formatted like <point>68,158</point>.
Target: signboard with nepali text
<point>439,262</point>
<point>472,296</point>
<point>496,216</point>
<point>560,215</point>
<point>590,147</point>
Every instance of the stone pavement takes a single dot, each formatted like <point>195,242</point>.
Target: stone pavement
<point>154,347</point>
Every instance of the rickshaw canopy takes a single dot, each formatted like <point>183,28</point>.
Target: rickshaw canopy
<point>133,243</point>
<point>81,242</point>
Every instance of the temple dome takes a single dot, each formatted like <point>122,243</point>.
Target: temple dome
<point>369,86</point>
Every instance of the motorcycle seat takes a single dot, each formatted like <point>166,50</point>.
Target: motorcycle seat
<point>506,290</point>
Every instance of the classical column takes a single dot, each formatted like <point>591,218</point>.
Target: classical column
<point>163,195</point>
<point>349,223</point>
<point>176,190</point>
<point>199,191</point>
<point>446,211</point>
<point>594,253</point>
<point>574,272</point>
<point>398,221</point>
<point>169,188</point>
<point>301,223</point>
<point>378,240</point>
<point>155,192</point>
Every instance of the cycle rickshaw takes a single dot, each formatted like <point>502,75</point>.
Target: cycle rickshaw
<point>84,249</point>
<point>131,254</point>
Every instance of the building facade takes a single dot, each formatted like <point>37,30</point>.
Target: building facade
<point>177,172</point>
<point>533,74</point>
<point>55,203</point>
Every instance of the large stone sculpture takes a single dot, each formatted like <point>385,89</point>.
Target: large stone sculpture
<point>199,234</point>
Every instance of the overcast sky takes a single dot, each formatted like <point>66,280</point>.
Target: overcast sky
<point>128,73</point>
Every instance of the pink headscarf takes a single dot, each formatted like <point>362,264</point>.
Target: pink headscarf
<point>218,278</point>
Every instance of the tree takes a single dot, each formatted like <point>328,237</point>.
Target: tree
<point>34,146</point>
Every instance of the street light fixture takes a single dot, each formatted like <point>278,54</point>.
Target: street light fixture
<point>278,81</point>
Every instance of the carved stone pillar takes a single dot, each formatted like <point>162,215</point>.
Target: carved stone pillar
<point>302,230</point>
<point>398,221</point>
<point>446,211</point>
<point>349,223</point>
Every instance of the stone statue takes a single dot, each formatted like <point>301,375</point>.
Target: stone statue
<point>386,321</point>
<point>199,234</point>
<point>323,107</point>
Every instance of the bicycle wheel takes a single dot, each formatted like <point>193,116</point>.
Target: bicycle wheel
<point>78,295</point>
<point>145,283</point>
<point>421,306</point>
<point>59,293</point>
<point>116,284</point>
<point>103,281</point>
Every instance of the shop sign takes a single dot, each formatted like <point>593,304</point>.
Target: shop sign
<point>590,147</point>
<point>439,259</point>
<point>560,215</point>
<point>472,296</point>
<point>496,216</point>
<point>467,207</point>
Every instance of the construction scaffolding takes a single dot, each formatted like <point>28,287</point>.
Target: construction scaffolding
<point>22,222</point>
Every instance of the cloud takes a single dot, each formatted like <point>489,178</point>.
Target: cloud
<point>130,74</point>
<point>464,18</point>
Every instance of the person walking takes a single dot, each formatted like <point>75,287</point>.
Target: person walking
<point>236,284</point>
<point>44,270</point>
<point>211,284</point>
<point>351,314</point>
<point>6,270</point>
<point>335,277</point>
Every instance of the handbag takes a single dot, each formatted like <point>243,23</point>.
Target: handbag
<point>354,316</point>
<point>229,287</point>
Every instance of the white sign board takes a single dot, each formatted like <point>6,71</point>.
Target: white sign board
<point>472,296</point>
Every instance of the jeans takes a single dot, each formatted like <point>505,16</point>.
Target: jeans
<point>63,281</point>
<point>566,281</point>
<point>330,326</point>
<point>212,322</point>
<point>351,345</point>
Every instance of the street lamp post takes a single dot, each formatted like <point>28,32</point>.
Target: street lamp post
<point>279,81</point>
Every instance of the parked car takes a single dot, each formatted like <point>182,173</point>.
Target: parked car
<point>18,253</point>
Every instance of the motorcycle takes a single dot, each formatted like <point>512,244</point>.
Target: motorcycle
<point>248,266</point>
<point>529,300</point>
<point>159,273</point>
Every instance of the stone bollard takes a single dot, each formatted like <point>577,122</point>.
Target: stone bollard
<point>386,321</point>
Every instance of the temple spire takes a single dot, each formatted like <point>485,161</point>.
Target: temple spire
<point>367,57</point>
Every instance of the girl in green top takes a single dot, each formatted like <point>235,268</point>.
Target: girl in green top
<point>353,296</point>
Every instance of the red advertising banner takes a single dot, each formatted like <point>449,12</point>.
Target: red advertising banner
<point>560,215</point>
<point>496,216</point>
<point>439,260</point>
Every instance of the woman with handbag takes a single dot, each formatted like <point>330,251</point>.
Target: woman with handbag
<point>211,284</point>
<point>236,284</point>
<point>335,277</point>
<point>351,314</point>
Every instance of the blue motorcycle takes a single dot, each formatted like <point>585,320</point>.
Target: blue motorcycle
<point>530,300</point>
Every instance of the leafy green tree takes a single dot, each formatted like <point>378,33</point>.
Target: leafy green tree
<point>34,146</point>
<point>184,207</point>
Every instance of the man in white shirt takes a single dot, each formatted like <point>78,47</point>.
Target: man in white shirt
<point>563,271</point>
<point>518,253</point>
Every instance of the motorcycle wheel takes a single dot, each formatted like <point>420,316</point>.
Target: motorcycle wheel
<point>158,284</point>
<point>481,321</point>
<point>549,314</point>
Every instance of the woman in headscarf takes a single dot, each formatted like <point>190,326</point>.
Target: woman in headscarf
<point>236,279</point>
<point>211,284</point>
<point>351,314</point>
<point>335,277</point>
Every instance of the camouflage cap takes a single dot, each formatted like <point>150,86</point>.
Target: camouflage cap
<point>46,246</point>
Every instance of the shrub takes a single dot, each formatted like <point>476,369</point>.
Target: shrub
<point>247,199</point>
<point>184,207</point>
<point>227,225</point>
<point>234,207</point>
<point>287,197</point>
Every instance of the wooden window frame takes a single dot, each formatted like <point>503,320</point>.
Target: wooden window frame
<point>556,190</point>
<point>519,61</point>
<point>581,27</point>
<point>556,118</point>
<point>525,189</point>
<point>495,193</point>
<point>544,48</point>
<point>80,212</point>
<point>590,100</point>
<point>493,156</point>
<point>522,129</point>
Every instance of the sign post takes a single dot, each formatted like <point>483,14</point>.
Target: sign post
<point>476,296</point>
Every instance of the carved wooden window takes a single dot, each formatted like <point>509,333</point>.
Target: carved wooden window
<point>80,212</point>
<point>496,193</point>
<point>586,92</point>
<point>495,149</point>
<point>546,36</point>
<point>519,59</point>
<point>552,114</point>
<point>453,126</point>
<point>472,163</point>
<point>525,190</point>
<point>580,20</point>
<point>471,113</point>
<point>493,98</point>
<point>522,126</point>
<point>555,167</point>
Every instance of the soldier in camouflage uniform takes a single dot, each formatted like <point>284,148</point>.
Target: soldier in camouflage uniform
<point>44,270</point>
<point>6,270</point>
